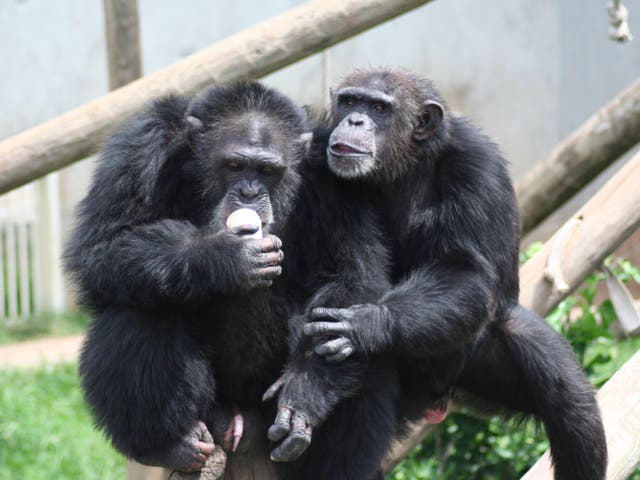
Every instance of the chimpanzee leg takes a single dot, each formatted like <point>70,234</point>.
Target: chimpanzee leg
<point>351,444</point>
<point>523,365</point>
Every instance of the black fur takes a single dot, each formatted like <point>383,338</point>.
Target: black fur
<point>188,322</point>
<point>452,320</point>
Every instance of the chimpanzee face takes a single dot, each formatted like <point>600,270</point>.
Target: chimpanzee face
<point>379,119</point>
<point>247,163</point>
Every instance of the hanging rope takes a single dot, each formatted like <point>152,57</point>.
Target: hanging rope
<point>619,26</point>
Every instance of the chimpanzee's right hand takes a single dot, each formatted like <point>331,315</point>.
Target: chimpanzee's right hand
<point>255,263</point>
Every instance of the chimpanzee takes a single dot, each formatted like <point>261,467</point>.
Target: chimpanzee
<point>452,319</point>
<point>191,321</point>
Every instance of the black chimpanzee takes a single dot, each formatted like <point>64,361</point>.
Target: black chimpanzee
<point>190,320</point>
<point>452,319</point>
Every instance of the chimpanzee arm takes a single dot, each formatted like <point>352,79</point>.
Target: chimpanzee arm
<point>311,387</point>
<point>437,308</point>
<point>173,261</point>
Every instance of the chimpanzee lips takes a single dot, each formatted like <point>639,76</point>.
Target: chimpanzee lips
<point>345,149</point>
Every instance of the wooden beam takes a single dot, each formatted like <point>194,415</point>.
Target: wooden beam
<point>619,401</point>
<point>581,244</point>
<point>577,249</point>
<point>597,143</point>
<point>122,33</point>
<point>252,53</point>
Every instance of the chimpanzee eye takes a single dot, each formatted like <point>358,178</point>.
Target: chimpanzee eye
<point>349,101</point>
<point>234,166</point>
<point>265,169</point>
<point>379,107</point>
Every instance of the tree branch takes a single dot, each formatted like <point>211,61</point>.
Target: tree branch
<point>252,53</point>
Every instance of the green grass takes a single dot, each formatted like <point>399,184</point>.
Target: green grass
<point>46,431</point>
<point>42,326</point>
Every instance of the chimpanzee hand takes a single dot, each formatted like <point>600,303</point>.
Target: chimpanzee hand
<point>342,331</point>
<point>189,454</point>
<point>292,424</point>
<point>258,261</point>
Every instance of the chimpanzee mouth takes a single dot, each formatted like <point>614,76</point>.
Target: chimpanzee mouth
<point>345,150</point>
<point>346,161</point>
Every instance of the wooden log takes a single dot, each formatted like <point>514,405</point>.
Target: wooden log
<point>577,249</point>
<point>582,243</point>
<point>252,53</point>
<point>122,33</point>
<point>619,401</point>
<point>142,472</point>
<point>597,143</point>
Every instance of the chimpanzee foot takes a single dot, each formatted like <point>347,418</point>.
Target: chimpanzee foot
<point>187,455</point>
<point>293,430</point>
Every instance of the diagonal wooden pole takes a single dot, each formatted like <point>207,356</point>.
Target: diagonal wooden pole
<point>580,246</point>
<point>252,53</point>
<point>603,138</point>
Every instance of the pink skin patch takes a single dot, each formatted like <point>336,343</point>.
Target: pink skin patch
<point>435,415</point>
<point>233,434</point>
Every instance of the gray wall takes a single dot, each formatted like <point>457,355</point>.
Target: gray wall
<point>528,72</point>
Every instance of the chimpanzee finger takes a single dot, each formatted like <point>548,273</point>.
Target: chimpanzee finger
<point>335,314</point>
<point>267,273</point>
<point>316,329</point>
<point>332,347</point>
<point>259,274</point>
<point>281,425</point>
<point>269,243</point>
<point>206,449</point>
<point>295,444</point>
<point>271,258</point>
<point>341,355</point>
<point>271,392</point>
<point>243,230</point>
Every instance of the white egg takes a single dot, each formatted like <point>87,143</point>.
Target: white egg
<point>245,216</point>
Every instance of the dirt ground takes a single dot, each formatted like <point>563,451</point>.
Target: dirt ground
<point>35,353</point>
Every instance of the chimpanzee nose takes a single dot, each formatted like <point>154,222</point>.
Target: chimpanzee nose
<point>356,119</point>
<point>249,191</point>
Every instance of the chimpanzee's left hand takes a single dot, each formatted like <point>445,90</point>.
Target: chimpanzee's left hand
<point>339,332</point>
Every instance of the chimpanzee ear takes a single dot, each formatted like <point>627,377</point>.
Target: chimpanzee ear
<point>194,124</point>
<point>430,118</point>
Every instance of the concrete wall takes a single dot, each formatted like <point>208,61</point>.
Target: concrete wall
<point>527,72</point>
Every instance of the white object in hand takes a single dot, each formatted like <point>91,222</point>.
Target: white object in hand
<point>245,216</point>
